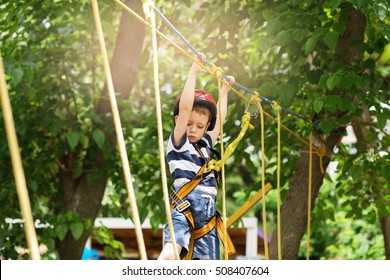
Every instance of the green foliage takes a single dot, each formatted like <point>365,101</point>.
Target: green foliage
<point>112,248</point>
<point>334,235</point>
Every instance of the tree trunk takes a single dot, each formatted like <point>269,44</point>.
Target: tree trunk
<point>84,194</point>
<point>294,210</point>
<point>385,222</point>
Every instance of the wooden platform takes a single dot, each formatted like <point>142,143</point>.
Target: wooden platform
<point>246,240</point>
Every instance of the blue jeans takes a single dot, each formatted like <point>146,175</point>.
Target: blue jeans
<point>203,209</point>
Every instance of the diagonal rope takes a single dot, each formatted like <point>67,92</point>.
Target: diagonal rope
<point>209,69</point>
<point>119,134</point>
<point>174,29</point>
<point>148,10</point>
<point>17,166</point>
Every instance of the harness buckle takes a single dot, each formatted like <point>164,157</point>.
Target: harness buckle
<point>183,205</point>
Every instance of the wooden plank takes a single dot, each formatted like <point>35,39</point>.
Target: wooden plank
<point>247,205</point>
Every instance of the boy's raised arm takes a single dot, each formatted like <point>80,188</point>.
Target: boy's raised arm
<point>224,92</point>
<point>186,101</point>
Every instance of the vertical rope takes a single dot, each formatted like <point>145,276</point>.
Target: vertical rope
<point>309,195</point>
<point>277,112</point>
<point>264,213</point>
<point>148,8</point>
<point>224,238</point>
<point>119,134</point>
<point>17,166</point>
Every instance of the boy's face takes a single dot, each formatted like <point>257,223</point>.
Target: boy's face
<point>197,125</point>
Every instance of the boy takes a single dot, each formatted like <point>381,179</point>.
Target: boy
<point>195,114</point>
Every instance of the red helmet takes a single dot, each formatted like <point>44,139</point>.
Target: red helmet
<point>204,99</point>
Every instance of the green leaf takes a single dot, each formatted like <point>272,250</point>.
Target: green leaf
<point>331,39</point>
<point>73,139</point>
<point>326,126</point>
<point>99,137</point>
<point>335,3</point>
<point>265,44</point>
<point>331,103</point>
<point>318,104</point>
<point>369,63</point>
<point>287,93</point>
<point>310,45</point>
<point>346,105</point>
<point>267,14</point>
<point>273,26</point>
<point>381,10</point>
<point>17,75</point>
<point>298,35</point>
<point>77,230</point>
<point>339,28</point>
<point>333,81</point>
<point>61,231</point>
<point>381,120</point>
<point>282,38</point>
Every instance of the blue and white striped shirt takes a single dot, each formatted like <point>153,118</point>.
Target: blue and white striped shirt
<point>185,161</point>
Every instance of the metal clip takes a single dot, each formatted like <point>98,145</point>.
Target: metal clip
<point>256,113</point>
<point>183,205</point>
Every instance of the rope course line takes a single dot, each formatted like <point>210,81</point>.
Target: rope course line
<point>222,151</point>
<point>264,213</point>
<point>211,66</point>
<point>17,166</point>
<point>119,134</point>
<point>149,13</point>
<point>276,107</point>
<point>256,100</point>
<point>174,29</point>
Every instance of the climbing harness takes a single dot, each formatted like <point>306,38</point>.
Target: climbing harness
<point>182,205</point>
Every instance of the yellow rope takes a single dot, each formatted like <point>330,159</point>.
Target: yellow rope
<point>217,74</point>
<point>276,107</point>
<point>264,213</point>
<point>119,133</point>
<point>224,236</point>
<point>320,152</point>
<point>309,196</point>
<point>245,125</point>
<point>149,13</point>
<point>208,69</point>
<point>17,166</point>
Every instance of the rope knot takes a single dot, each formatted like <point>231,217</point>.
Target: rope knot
<point>214,165</point>
<point>246,121</point>
<point>216,71</point>
<point>321,152</point>
<point>276,107</point>
<point>255,97</point>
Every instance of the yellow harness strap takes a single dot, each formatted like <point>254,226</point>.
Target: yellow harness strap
<point>215,221</point>
<point>187,188</point>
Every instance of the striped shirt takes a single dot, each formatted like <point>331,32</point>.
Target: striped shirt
<point>185,161</point>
